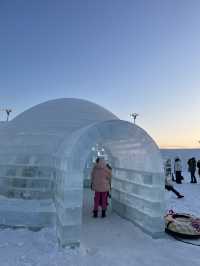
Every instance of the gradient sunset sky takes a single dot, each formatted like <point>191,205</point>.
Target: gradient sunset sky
<point>127,55</point>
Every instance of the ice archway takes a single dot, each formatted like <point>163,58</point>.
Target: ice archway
<point>43,153</point>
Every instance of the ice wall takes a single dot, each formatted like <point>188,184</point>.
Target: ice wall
<point>26,189</point>
<point>138,182</point>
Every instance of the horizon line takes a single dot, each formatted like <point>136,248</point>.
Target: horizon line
<point>178,147</point>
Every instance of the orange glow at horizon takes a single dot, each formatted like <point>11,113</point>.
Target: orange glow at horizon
<point>186,139</point>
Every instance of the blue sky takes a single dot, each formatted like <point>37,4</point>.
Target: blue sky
<point>128,56</point>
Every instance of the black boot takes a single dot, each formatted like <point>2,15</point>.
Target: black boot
<point>103,215</point>
<point>95,214</point>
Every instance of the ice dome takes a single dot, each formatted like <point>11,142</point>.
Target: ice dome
<point>56,119</point>
<point>44,155</point>
<point>61,114</point>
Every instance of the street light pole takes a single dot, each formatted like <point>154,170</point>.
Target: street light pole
<point>8,111</point>
<point>134,116</point>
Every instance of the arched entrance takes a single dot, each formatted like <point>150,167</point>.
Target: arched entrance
<point>137,183</point>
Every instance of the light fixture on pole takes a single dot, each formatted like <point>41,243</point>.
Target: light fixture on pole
<point>134,116</point>
<point>8,111</point>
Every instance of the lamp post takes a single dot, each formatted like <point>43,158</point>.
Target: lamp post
<point>8,111</point>
<point>134,116</point>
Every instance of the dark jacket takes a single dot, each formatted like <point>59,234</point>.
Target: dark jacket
<point>192,165</point>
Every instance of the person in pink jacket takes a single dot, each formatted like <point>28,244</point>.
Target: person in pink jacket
<point>100,183</point>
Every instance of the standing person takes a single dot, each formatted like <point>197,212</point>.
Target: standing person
<point>168,167</point>
<point>198,166</point>
<point>169,186</point>
<point>192,169</point>
<point>178,170</point>
<point>100,183</point>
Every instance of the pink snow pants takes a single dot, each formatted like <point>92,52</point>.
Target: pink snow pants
<point>100,199</point>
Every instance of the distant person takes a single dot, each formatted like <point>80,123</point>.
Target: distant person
<point>169,186</point>
<point>198,166</point>
<point>178,170</point>
<point>100,183</point>
<point>192,169</point>
<point>168,168</point>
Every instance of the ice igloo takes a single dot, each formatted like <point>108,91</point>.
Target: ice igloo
<point>43,153</point>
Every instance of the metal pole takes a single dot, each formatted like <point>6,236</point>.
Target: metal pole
<point>134,116</point>
<point>8,111</point>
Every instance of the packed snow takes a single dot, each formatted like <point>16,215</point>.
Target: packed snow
<point>111,241</point>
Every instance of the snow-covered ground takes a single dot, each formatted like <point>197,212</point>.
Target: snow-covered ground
<point>111,241</point>
<point>105,242</point>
